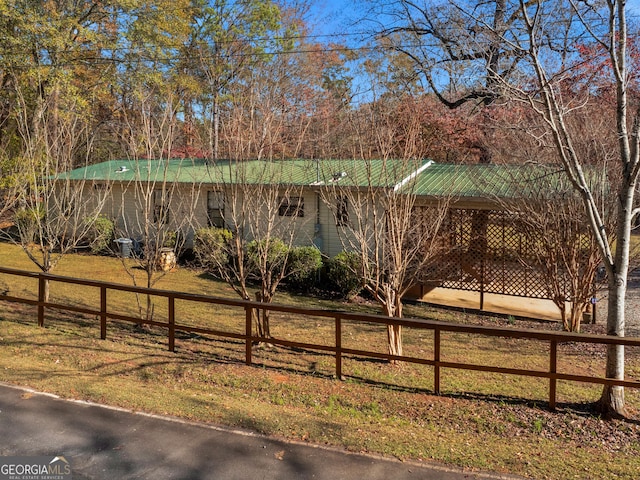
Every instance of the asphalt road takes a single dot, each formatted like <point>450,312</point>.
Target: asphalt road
<point>106,443</point>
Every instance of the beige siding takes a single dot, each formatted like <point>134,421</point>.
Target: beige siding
<point>130,208</point>
<point>189,212</point>
<point>338,238</point>
<point>331,233</point>
<point>126,207</point>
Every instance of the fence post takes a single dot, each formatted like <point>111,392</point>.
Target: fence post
<point>42,285</point>
<point>172,323</point>
<point>103,312</point>
<point>553,369</point>
<point>436,358</point>
<point>247,332</point>
<point>338,348</point>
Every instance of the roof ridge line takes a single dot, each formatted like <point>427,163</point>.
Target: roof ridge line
<point>412,175</point>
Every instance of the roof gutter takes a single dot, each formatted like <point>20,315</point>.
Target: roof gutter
<point>412,176</point>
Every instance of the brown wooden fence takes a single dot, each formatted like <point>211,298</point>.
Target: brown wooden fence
<point>172,325</point>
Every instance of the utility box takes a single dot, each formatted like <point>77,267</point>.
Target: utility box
<point>124,247</point>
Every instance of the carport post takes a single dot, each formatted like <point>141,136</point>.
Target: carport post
<point>482,282</point>
<point>436,361</point>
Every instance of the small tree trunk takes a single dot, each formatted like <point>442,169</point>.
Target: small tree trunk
<point>216,127</point>
<point>611,403</point>
<point>394,332</point>
<point>47,289</point>
<point>47,268</point>
<point>572,316</point>
<point>262,320</point>
<point>576,318</point>
<point>562,306</point>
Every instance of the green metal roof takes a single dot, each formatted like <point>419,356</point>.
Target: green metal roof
<point>424,178</point>
<point>487,181</point>
<point>378,173</point>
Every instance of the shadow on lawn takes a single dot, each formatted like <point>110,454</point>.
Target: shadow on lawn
<point>193,349</point>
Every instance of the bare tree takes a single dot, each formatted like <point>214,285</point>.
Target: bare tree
<point>606,23</point>
<point>396,232</point>
<point>157,207</point>
<point>55,210</point>
<point>396,237</point>
<point>261,204</point>
<point>456,47</point>
<point>557,242</point>
<point>547,74</point>
<point>262,211</point>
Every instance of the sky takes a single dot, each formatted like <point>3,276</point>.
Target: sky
<point>340,21</point>
<point>634,6</point>
<point>351,22</point>
<point>338,17</point>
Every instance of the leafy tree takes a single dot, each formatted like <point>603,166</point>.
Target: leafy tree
<point>226,47</point>
<point>52,52</point>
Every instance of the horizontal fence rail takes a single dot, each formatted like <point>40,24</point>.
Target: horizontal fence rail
<point>554,339</point>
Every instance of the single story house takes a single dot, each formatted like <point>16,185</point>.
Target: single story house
<point>308,197</point>
<point>193,193</point>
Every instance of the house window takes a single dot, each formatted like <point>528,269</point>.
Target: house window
<point>215,209</point>
<point>342,211</point>
<point>101,187</point>
<point>291,207</point>
<point>161,206</point>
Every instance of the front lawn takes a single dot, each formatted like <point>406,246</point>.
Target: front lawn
<point>501,424</point>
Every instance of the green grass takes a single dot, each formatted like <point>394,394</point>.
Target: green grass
<point>481,422</point>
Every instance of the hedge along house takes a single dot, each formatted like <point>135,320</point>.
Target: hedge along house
<point>482,266</point>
